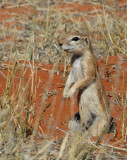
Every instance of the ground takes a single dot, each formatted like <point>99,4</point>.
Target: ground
<point>44,81</point>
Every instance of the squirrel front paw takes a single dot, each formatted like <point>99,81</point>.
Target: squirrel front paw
<point>69,94</point>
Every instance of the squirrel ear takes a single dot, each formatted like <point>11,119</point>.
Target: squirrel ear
<point>87,40</point>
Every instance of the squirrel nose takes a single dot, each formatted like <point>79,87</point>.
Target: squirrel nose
<point>60,44</point>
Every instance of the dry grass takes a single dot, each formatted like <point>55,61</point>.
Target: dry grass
<point>37,42</point>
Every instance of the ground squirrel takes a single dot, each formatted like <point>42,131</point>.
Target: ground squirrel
<point>94,116</point>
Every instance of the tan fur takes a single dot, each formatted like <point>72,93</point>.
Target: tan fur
<point>94,111</point>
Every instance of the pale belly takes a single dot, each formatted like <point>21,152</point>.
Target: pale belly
<point>90,99</point>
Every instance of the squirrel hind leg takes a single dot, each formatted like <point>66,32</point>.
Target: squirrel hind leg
<point>74,123</point>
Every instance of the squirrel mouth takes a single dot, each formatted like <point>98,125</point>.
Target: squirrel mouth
<point>67,50</point>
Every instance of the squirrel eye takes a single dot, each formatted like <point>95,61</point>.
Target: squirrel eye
<point>75,38</point>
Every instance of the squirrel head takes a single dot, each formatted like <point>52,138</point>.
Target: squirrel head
<point>75,43</point>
